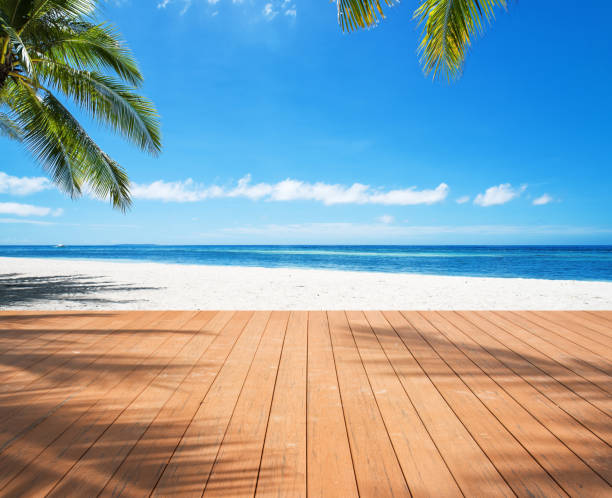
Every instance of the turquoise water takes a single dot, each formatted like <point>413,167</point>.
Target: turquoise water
<point>550,262</point>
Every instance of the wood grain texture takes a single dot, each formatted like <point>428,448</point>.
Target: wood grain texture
<point>296,404</point>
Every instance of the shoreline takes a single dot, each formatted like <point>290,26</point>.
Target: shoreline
<point>296,268</point>
<point>87,284</point>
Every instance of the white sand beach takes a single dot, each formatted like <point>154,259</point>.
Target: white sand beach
<point>56,284</point>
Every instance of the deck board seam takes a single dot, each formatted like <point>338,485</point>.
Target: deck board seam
<point>351,449</point>
<point>229,422</point>
<point>542,392</point>
<point>578,329</point>
<point>58,406</point>
<point>555,346</point>
<point>412,402</point>
<point>600,316</point>
<point>161,474</point>
<point>577,345</point>
<point>518,403</point>
<point>153,419</point>
<point>450,407</point>
<point>399,464</point>
<point>59,481</point>
<point>551,360</point>
<point>263,446</point>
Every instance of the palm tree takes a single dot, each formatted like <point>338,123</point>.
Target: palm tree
<point>54,48</point>
<point>448,27</point>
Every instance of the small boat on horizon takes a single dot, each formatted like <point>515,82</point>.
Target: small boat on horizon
<point>60,245</point>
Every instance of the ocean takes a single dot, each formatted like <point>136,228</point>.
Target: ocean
<point>547,262</point>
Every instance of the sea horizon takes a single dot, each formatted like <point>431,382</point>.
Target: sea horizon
<point>551,262</point>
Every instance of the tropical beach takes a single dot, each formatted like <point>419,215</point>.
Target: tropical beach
<point>56,284</point>
<point>277,248</point>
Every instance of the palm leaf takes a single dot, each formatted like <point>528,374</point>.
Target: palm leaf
<point>18,48</point>
<point>449,27</point>
<point>9,128</point>
<point>354,14</point>
<point>23,12</point>
<point>63,147</point>
<point>85,46</point>
<point>107,100</point>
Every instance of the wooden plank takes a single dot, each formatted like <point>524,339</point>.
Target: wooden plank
<point>549,378</point>
<point>601,317</point>
<point>283,464</point>
<point>330,470</point>
<point>238,461</point>
<point>30,444</point>
<point>566,327</point>
<point>122,383</point>
<point>24,410</point>
<point>523,330</point>
<point>548,451</point>
<point>51,368</point>
<point>377,469</point>
<point>189,468</point>
<point>469,464</point>
<point>104,457</point>
<point>522,473</point>
<point>583,324</point>
<point>418,456</point>
<point>142,468</point>
<point>592,450</point>
<point>31,342</point>
<point>561,339</point>
<point>21,333</point>
<point>31,332</point>
<point>472,403</point>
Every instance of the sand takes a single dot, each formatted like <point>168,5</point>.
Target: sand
<point>56,284</point>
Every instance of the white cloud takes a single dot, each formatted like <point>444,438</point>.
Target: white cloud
<point>291,12</point>
<point>27,210</point>
<point>386,219</point>
<point>288,190</point>
<point>499,194</point>
<point>463,199</point>
<point>213,2</point>
<point>24,185</point>
<point>269,12</point>
<point>543,199</point>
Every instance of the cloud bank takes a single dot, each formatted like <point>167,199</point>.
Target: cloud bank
<point>289,190</point>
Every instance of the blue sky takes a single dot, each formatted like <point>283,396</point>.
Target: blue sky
<point>278,128</point>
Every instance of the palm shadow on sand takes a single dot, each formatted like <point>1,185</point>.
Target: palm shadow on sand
<point>22,290</point>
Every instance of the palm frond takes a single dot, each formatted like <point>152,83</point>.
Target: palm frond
<point>23,12</point>
<point>107,100</point>
<point>9,128</point>
<point>84,45</point>
<point>18,47</point>
<point>63,147</point>
<point>449,27</point>
<point>354,14</point>
<point>43,137</point>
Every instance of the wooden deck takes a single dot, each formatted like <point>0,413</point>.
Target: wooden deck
<point>306,403</point>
